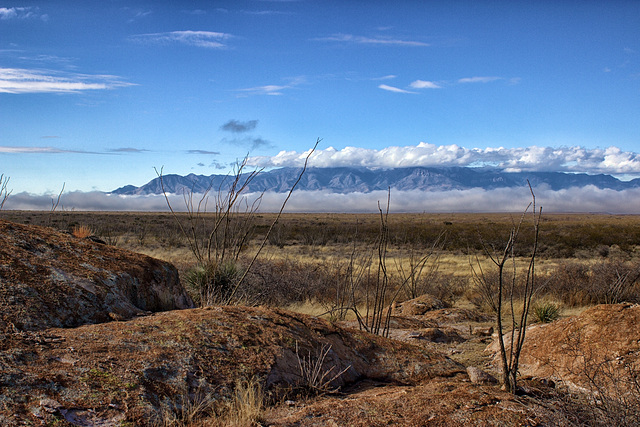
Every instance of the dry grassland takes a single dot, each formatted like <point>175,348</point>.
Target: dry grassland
<point>329,242</point>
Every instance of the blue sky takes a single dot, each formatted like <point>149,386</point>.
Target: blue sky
<point>96,94</point>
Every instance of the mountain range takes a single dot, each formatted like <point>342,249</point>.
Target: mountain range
<point>365,180</point>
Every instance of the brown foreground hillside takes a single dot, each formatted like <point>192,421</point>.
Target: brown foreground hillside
<point>93,335</point>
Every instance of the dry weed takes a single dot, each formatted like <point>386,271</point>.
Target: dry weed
<point>82,231</point>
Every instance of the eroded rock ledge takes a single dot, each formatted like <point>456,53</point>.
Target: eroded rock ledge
<point>52,279</point>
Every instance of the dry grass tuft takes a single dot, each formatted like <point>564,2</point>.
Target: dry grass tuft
<point>247,407</point>
<point>82,231</point>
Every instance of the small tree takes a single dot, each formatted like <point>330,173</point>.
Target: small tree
<point>507,289</point>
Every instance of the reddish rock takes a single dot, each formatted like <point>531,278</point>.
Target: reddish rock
<point>53,279</point>
<point>482,331</point>
<point>603,342</point>
<point>478,376</point>
<point>419,306</point>
<point>133,371</point>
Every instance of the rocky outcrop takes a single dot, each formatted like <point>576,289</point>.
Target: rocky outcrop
<point>53,279</point>
<point>598,348</point>
<point>135,371</point>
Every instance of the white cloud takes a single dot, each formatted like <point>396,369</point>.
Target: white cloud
<point>586,199</point>
<point>206,39</point>
<point>265,90</point>
<point>393,89</point>
<point>387,77</point>
<point>18,80</point>
<point>381,41</point>
<point>21,13</point>
<point>479,79</point>
<point>423,84</point>
<point>273,89</point>
<point>611,160</point>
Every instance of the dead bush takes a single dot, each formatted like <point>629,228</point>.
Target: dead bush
<point>608,281</point>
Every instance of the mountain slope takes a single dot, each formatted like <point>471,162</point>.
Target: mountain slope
<point>364,180</point>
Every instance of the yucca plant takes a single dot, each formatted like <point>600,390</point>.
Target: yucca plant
<point>212,283</point>
<point>546,312</point>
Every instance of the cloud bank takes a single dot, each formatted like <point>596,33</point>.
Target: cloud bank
<point>586,199</point>
<point>610,160</point>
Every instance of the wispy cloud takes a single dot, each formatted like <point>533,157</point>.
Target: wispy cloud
<point>195,12</point>
<point>7,13</point>
<point>274,90</point>
<point>128,150</point>
<point>393,89</point>
<point>238,126</point>
<point>610,160</point>
<point>249,142</point>
<point>50,59</point>
<point>40,150</point>
<point>265,90</point>
<point>424,84</point>
<point>486,79</point>
<point>18,80</point>
<point>380,40</point>
<point>205,39</point>
<point>387,77</point>
<point>215,153</point>
<point>266,12</point>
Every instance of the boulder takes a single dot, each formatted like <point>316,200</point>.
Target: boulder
<point>419,306</point>
<point>478,376</point>
<point>603,342</point>
<point>52,279</point>
<point>437,335</point>
<point>482,331</point>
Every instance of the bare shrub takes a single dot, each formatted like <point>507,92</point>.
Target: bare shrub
<point>612,396</point>
<point>4,192</point>
<point>421,271</point>
<point>316,377</point>
<point>109,236</point>
<point>216,236</point>
<point>612,282</point>
<point>569,284</point>
<point>446,287</point>
<point>284,282</point>
<point>277,237</point>
<point>607,281</point>
<point>502,296</point>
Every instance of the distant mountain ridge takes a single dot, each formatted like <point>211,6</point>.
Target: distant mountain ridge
<point>364,180</point>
